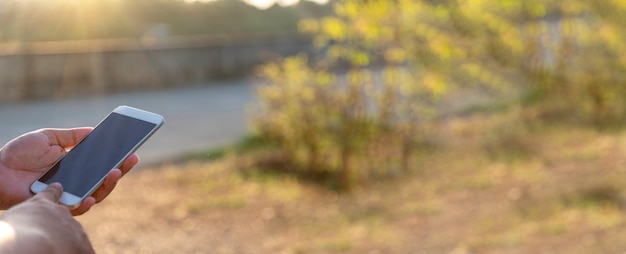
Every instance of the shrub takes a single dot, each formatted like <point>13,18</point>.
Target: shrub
<point>322,120</point>
<point>385,68</point>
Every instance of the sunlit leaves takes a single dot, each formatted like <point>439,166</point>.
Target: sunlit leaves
<point>536,9</point>
<point>360,58</point>
<point>334,28</point>
<point>310,26</point>
<point>395,55</point>
<point>396,60</point>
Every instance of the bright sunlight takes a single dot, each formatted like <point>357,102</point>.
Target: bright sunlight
<point>264,4</point>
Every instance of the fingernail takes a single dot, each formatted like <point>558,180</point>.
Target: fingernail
<point>57,184</point>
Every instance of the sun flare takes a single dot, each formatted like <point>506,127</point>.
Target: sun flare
<point>264,4</point>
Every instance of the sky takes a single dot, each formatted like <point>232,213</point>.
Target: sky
<point>264,4</point>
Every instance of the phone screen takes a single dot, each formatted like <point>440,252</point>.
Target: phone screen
<point>89,161</point>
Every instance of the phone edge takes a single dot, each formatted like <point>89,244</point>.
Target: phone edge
<point>72,200</point>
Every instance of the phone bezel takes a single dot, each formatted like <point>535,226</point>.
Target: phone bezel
<point>72,200</point>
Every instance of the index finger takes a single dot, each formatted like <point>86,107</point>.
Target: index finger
<point>53,192</point>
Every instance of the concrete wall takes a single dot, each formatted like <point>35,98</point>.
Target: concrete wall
<point>53,70</point>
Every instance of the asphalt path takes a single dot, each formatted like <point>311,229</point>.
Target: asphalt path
<point>196,118</point>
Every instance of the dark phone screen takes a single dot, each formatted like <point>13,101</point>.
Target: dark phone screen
<point>90,160</point>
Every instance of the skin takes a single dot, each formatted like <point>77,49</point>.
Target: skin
<point>41,225</point>
<point>26,157</point>
<point>38,223</point>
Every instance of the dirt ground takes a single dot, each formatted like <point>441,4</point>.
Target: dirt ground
<point>512,189</point>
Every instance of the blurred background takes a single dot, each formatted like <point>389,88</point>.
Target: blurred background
<point>406,126</point>
<point>68,63</point>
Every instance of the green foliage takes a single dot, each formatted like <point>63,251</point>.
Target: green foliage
<point>570,53</point>
<point>319,119</point>
<point>323,119</point>
<point>405,57</point>
<point>578,56</point>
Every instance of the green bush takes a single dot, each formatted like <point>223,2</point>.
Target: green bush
<point>404,58</point>
<point>321,121</point>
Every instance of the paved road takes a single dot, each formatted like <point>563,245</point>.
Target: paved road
<point>196,118</point>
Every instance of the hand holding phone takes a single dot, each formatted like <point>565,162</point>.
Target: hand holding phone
<point>86,165</point>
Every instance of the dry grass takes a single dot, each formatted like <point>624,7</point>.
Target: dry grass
<point>492,186</point>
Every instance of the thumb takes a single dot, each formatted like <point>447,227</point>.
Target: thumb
<point>53,192</point>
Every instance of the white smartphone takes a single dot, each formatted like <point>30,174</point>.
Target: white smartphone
<point>83,168</point>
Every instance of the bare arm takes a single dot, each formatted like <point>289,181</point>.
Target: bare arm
<point>41,225</point>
